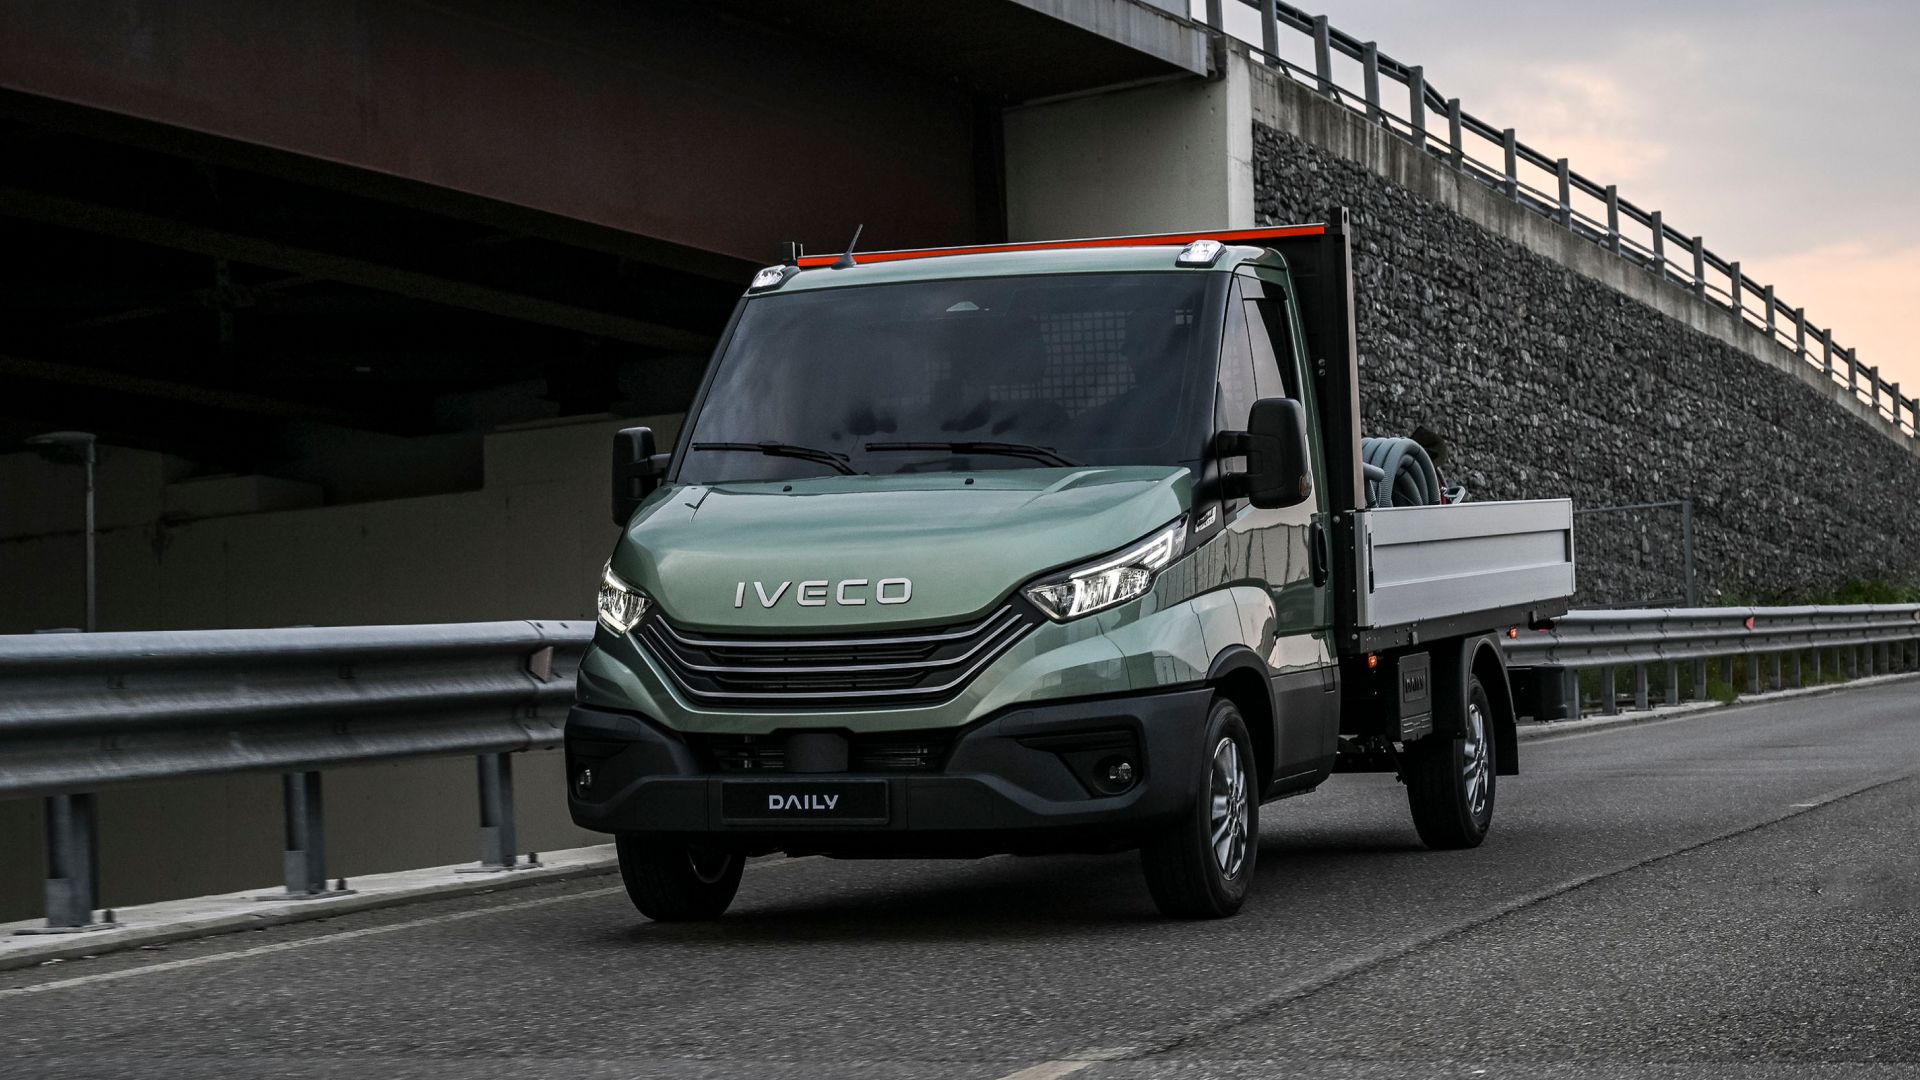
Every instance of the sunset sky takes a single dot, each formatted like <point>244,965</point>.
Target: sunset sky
<point>1780,132</point>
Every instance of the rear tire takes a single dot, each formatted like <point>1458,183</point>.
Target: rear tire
<point>1202,866</point>
<point>677,882</point>
<point>1450,778</point>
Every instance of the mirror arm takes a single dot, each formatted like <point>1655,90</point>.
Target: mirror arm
<point>1232,443</point>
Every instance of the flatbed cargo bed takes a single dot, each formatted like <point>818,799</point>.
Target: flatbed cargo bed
<point>1472,563</point>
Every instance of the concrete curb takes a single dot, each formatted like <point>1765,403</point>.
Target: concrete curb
<point>174,920</point>
<point>1670,712</point>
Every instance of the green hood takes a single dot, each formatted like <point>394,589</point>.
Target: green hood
<point>964,541</point>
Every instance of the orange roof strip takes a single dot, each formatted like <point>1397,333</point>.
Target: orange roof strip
<point>1225,236</point>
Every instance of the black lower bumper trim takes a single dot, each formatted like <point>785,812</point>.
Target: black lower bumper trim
<point>1028,779</point>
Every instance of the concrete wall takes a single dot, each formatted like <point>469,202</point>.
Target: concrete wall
<point>528,544</point>
<point>1553,367</point>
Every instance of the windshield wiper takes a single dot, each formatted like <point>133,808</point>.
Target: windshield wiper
<point>1004,449</point>
<point>838,462</point>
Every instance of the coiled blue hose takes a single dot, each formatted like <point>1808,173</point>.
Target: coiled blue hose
<point>1399,473</point>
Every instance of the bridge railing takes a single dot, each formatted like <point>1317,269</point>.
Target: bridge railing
<point>1419,113</point>
<point>83,712</point>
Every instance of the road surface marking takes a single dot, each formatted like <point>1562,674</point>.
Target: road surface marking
<point>1221,1020</point>
<point>326,939</point>
<point>288,946</point>
<point>1053,1070</point>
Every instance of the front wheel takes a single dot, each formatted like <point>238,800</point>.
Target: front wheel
<point>1201,867</point>
<point>1450,778</point>
<point>677,882</point>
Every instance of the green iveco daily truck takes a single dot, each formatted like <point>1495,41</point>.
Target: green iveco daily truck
<point>1050,547</point>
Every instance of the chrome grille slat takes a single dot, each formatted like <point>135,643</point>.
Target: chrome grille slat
<point>918,667</point>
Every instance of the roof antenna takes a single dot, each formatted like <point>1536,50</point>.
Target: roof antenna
<point>845,261</point>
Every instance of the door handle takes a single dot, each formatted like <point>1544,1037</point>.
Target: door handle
<point>1318,556</point>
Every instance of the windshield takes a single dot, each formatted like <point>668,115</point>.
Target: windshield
<point>969,374</point>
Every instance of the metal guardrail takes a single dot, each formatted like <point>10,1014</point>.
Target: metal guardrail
<point>1551,188</point>
<point>80,712</point>
<point>1793,642</point>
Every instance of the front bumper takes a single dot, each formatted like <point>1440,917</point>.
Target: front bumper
<point>1021,780</point>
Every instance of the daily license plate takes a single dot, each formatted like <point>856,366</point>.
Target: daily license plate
<point>803,802</point>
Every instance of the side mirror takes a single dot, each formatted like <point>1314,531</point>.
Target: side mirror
<point>1279,472</point>
<point>637,470</point>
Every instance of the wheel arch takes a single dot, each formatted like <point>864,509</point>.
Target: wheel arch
<point>1240,674</point>
<point>1485,659</point>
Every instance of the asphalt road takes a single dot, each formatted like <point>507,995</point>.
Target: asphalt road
<point>1734,894</point>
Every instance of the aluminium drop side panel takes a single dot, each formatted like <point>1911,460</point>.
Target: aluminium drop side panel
<point>1419,563</point>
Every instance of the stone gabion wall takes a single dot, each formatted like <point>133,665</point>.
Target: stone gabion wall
<point>1544,383</point>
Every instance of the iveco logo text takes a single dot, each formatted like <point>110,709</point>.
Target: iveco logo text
<point>802,802</point>
<point>853,592</point>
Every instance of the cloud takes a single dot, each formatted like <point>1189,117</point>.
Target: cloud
<point>1865,293</point>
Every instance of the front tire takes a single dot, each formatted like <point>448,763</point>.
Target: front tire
<point>1450,778</point>
<point>1202,866</point>
<point>677,882</point>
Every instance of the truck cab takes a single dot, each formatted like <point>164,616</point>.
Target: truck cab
<point>1037,548</point>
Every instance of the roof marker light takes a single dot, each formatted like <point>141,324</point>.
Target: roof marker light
<point>771,277</point>
<point>1199,253</point>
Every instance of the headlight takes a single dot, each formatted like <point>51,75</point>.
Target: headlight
<point>621,605</point>
<point>1111,581</point>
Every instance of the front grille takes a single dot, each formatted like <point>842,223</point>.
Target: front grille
<point>885,752</point>
<point>911,667</point>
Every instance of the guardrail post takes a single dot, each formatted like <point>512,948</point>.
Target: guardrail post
<point>73,867</point>
<point>1826,351</point>
<point>1453,132</point>
<point>1673,682</point>
<point>1798,682</point>
<point>1613,218</point>
<point>1770,323</point>
<point>1570,691</point>
<point>1735,285</point>
<point>1609,692</point>
<point>1270,31</point>
<point>1753,673</point>
<point>1370,69</point>
<point>1726,670</point>
<point>1699,268</point>
<point>1640,687</point>
<point>1699,677</point>
<point>1873,385</point>
<point>1511,146</point>
<point>1659,244</point>
<point>1323,54</point>
<point>306,854</point>
<point>1853,661</point>
<point>1564,174</point>
<point>1817,677</point>
<point>1853,370</point>
<point>1800,332</point>
<point>1773,663</point>
<point>497,849</point>
<point>1417,104</point>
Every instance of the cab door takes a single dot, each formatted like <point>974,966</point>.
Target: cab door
<point>1288,545</point>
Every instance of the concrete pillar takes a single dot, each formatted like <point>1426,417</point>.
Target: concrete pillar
<point>1147,159</point>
